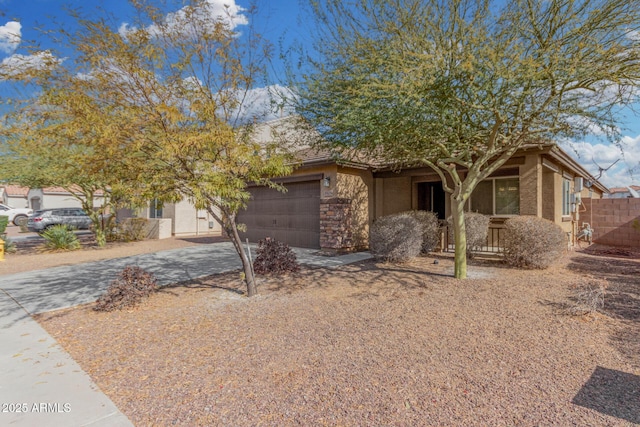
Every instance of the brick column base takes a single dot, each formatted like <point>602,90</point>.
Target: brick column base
<point>335,225</point>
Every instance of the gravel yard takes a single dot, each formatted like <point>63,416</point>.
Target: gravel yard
<point>372,344</point>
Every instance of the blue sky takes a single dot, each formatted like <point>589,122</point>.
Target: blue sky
<point>283,19</point>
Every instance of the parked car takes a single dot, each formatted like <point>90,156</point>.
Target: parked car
<point>74,218</point>
<point>16,215</point>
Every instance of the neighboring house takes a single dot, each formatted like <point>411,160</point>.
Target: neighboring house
<point>329,203</point>
<point>630,192</point>
<point>57,197</point>
<point>41,198</point>
<point>185,218</point>
<point>14,195</point>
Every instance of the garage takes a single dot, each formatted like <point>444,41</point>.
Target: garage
<point>292,217</point>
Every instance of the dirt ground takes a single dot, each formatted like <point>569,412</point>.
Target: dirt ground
<point>373,344</point>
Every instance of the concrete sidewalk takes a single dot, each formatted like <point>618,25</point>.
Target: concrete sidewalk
<point>41,384</point>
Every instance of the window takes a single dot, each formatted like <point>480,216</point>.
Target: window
<point>155,209</point>
<point>566,197</point>
<point>497,196</point>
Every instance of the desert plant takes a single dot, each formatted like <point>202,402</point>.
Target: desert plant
<point>393,238</point>
<point>131,286</point>
<point>430,229</point>
<point>274,257</point>
<point>532,242</point>
<point>588,298</point>
<point>477,228</point>
<point>4,221</point>
<point>60,238</point>
<point>9,246</point>
<point>129,230</point>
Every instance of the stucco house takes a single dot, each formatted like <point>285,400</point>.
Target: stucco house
<point>330,203</point>
<point>57,197</point>
<point>184,218</point>
<point>41,198</point>
<point>180,219</point>
<point>14,195</point>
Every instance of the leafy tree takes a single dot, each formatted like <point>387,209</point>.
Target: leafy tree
<point>165,100</point>
<point>55,149</point>
<point>460,85</point>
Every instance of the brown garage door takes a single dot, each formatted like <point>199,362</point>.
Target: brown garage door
<point>292,217</point>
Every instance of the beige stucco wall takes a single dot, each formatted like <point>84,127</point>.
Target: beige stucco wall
<point>15,201</point>
<point>549,203</point>
<point>58,200</point>
<point>531,186</point>
<point>187,220</point>
<point>328,171</point>
<point>393,195</point>
<point>357,186</point>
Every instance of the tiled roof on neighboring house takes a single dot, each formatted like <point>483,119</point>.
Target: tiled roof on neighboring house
<point>20,191</point>
<point>15,190</point>
<point>60,190</point>
<point>624,189</point>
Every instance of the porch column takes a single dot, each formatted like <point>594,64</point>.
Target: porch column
<point>531,186</point>
<point>336,235</point>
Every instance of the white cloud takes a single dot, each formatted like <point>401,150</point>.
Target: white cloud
<point>264,103</point>
<point>16,64</point>
<point>211,12</point>
<point>594,156</point>
<point>10,36</point>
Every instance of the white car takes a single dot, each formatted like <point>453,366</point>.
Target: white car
<point>16,215</point>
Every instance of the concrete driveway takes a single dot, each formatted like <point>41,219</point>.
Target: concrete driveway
<point>61,287</point>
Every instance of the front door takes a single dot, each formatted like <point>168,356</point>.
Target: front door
<point>431,197</point>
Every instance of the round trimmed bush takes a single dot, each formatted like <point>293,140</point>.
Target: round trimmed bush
<point>393,238</point>
<point>430,229</point>
<point>532,242</point>
<point>476,226</point>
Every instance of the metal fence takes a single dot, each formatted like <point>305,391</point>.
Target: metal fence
<point>494,244</point>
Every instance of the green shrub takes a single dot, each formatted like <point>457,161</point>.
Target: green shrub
<point>477,229</point>
<point>393,238</point>
<point>274,257</point>
<point>4,221</point>
<point>60,238</point>
<point>430,229</point>
<point>129,230</point>
<point>532,242</point>
<point>9,246</point>
<point>132,285</point>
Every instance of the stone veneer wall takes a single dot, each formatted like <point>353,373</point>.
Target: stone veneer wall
<point>615,222</point>
<point>335,225</point>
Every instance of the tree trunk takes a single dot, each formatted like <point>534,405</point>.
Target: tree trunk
<point>101,237</point>
<point>232,231</point>
<point>460,237</point>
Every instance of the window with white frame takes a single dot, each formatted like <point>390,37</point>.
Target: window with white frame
<point>566,197</point>
<point>497,196</point>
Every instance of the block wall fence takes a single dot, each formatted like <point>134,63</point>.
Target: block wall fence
<point>616,222</point>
